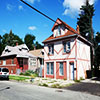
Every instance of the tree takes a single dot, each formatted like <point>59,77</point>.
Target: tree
<point>1,44</point>
<point>38,45</point>
<point>97,51</point>
<point>85,26</point>
<point>11,39</point>
<point>29,41</point>
<point>85,21</point>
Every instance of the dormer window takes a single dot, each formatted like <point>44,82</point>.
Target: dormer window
<point>6,50</point>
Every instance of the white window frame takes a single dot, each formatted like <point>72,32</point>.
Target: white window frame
<point>49,72</point>
<point>4,62</point>
<point>12,61</point>
<point>61,73</point>
<point>51,49</point>
<point>66,46</point>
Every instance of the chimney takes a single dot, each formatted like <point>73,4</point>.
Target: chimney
<point>77,29</point>
<point>16,43</point>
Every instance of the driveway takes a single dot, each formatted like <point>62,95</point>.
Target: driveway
<point>91,86</point>
<point>22,91</point>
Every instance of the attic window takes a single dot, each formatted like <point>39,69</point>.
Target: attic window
<point>59,31</point>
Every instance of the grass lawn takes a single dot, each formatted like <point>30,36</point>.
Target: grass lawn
<point>18,78</point>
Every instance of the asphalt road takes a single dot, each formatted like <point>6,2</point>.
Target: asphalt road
<point>22,91</point>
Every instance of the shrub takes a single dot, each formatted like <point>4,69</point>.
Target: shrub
<point>44,84</point>
<point>21,73</point>
<point>77,80</point>
<point>55,86</point>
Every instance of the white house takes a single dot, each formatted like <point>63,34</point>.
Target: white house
<point>66,53</point>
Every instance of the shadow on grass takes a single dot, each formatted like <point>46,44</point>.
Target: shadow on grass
<point>91,88</point>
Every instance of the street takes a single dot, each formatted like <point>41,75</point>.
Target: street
<point>23,91</point>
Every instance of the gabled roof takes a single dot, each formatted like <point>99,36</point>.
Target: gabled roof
<point>19,51</point>
<point>70,31</point>
<point>37,53</point>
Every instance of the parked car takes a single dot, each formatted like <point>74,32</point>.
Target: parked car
<point>4,73</point>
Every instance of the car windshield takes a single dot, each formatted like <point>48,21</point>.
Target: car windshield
<point>5,70</point>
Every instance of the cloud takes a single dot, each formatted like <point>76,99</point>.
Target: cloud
<point>4,31</point>
<point>32,1</point>
<point>32,28</point>
<point>72,7</point>
<point>9,7</point>
<point>20,7</point>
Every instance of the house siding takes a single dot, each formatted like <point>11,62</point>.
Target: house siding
<point>13,67</point>
<point>81,63</point>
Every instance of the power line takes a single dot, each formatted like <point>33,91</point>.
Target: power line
<point>42,13</point>
<point>38,11</point>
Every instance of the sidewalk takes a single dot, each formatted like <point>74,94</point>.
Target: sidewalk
<point>92,80</point>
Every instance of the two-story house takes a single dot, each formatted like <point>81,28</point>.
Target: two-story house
<point>66,53</point>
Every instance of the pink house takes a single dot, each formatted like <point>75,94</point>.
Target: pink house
<point>66,53</point>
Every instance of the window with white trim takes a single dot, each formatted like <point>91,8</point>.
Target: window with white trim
<point>51,49</point>
<point>4,62</point>
<point>61,71</point>
<point>50,68</point>
<point>66,46</point>
<point>12,61</point>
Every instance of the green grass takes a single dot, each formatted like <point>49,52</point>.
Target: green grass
<point>18,78</point>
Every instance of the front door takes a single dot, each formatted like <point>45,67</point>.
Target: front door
<point>72,71</point>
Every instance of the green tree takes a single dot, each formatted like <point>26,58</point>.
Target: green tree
<point>85,20</point>
<point>11,39</point>
<point>38,45</point>
<point>29,41</point>
<point>85,26</point>
<point>1,48</point>
<point>97,51</point>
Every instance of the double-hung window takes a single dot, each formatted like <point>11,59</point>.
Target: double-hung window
<point>12,61</point>
<point>66,46</point>
<point>61,69</point>
<point>51,49</point>
<point>4,62</point>
<point>50,68</point>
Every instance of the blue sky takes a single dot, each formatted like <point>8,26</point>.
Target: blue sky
<point>22,20</point>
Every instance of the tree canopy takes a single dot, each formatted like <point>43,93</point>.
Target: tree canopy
<point>30,42</point>
<point>85,20</point>
<point>11,39</point>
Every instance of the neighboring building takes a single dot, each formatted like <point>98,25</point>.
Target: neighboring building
<point>39,53</point>
<point>16,58</point>
<point>66,53</point>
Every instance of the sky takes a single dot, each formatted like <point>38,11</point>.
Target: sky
<point>23,20</point>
